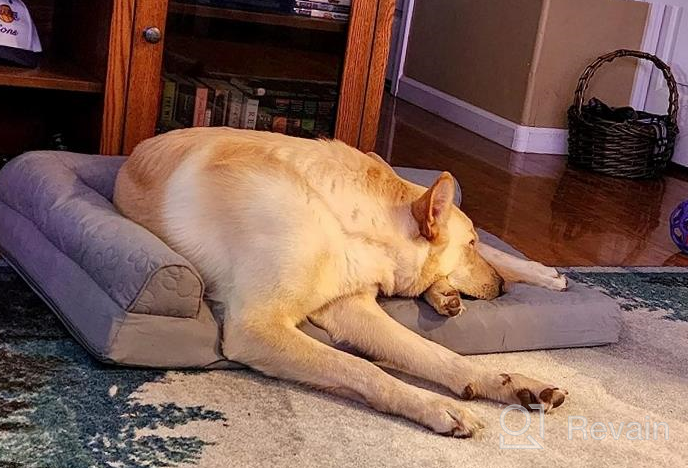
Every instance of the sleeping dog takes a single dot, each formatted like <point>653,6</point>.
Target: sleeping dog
<point>285,229</point>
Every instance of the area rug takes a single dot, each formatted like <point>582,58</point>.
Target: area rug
<point>628,402</point>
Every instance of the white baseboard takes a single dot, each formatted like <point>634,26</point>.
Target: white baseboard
<point>517,137</point>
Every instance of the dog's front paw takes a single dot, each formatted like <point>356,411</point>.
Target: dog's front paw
<point>550,278</point>
<point>444,299</point>
<point>451,305</point>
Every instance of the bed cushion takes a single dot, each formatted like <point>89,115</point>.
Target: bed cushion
<point>526,318</point>
<point>130,299</point>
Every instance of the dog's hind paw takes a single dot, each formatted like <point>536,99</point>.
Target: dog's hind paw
<point>447,417</point>
<point>530,393</point>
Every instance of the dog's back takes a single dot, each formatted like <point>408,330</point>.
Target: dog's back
<point>260,210</point>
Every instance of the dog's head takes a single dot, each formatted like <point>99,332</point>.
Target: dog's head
<point>453,242</point>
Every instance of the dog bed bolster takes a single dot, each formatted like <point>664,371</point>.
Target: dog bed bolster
<point>66,197</point>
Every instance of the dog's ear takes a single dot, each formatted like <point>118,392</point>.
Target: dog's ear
<point>432,209</point>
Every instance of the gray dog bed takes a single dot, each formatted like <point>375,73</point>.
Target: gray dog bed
<point>130,299</point>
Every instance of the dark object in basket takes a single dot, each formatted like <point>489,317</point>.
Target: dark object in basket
<point>597,109</point>
<point>621,142</point>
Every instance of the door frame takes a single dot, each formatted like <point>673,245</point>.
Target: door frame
<point>663,24</point>
<point>661,16</point>
<point>643,73</point>
<point>117,77</point>
<point>363,76</point>
<point>399,59</point>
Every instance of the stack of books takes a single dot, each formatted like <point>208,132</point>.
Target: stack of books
<point>298,108</point>
<point>338,10</point>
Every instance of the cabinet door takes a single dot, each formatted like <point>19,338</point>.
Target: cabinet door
<point>142,98</point>
<point>200,62</point>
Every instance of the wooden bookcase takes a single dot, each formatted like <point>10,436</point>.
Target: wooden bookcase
<point>98,85</point>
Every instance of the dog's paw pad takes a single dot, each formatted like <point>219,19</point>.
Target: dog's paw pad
<point>452,306</point>
<point>553,396</point>
<point>533,394</point>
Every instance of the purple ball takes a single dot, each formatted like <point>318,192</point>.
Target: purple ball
<point>678,226</point>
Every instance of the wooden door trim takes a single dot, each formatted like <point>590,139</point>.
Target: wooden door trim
<point>117,77</point>
<point>376,75</point>
<point>363,77</point>
<point>359,47</point>
<point>143,93</point>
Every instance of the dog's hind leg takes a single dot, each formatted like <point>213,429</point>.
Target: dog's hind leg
<point>280,349</point>
<point>518,270</point>
<point>361,322</point>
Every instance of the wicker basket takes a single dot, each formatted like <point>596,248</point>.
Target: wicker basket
<point>621,142</point>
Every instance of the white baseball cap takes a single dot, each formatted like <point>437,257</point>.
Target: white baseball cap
<point>19,42</point>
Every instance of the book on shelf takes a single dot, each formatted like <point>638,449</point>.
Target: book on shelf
<point>185,102</point>
<point>331,15</point>
<point>200,115</point>
<point>218,105</point>
<point>236,99</point>
<point>168,101</point>
<point>249,103</point>
<point>322,6</point>
<point>210,100</point>
<point>249,113</point>
<point>324,117</point>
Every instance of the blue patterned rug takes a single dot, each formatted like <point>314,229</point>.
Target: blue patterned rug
<point>61,409</point>
<point>663,289</point>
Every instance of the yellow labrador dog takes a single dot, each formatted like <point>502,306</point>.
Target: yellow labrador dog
<point>285,230</point>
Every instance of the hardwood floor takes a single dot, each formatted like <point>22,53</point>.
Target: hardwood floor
<point>554,214</point>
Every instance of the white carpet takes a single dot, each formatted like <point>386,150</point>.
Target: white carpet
<point>643,379</point>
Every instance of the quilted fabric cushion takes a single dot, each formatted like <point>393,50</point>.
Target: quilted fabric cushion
<point>67,197</point>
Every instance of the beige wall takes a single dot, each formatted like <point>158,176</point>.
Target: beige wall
<point>574,34</point>
<point>521,59</point>
<point>478,51</point>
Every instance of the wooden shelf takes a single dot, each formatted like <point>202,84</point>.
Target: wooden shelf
<point>255,60</point>
<point>50,75</point>
<point>274,19</point>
